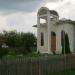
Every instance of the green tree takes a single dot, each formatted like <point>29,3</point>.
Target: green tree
<point>28,41</point>
<point>25,41</point>
<point>65,44</point>
<point>13,38</point>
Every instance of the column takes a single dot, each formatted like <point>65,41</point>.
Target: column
<point>38,32</point>
<point>49,32</point>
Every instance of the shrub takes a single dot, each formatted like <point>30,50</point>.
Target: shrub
<point>3,52</point>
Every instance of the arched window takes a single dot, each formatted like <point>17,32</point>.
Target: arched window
<point>42,39</point>
<point>62,37</point>
<point>53,34</point>
<point>53,42</point>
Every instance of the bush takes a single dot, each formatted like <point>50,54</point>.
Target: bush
<point>3,52</point>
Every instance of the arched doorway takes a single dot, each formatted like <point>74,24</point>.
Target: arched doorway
<point>53,42</point>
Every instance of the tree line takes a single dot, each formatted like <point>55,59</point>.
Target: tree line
<point>20,41</point>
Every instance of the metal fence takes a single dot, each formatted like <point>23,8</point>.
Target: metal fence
<point>42,65</point>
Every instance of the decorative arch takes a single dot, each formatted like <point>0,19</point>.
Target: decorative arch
<point>43,13</point>
<point>43,10</point>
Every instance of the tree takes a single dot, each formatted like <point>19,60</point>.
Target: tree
<point>29,41</point>
<point>65,44</point>
<point>13,38</point>
<point>21,40</point>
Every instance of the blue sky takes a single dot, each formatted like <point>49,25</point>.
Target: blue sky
<point>21,15</point>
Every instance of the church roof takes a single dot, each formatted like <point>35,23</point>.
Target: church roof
<point>66,21</point>
<point>62,22</point>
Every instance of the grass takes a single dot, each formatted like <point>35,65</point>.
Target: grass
<point>34,55</point>
<point>14,55</point>
<point>67,72</point>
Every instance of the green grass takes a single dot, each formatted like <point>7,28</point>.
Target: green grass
<point>67,72</point>
<point>29,55</point>
<point>33,55</point>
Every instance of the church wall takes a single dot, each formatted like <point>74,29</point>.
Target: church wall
<point>69,31</point>
<point>68,28</point>
<point>43,49</point>
<point>57,30</point>
<point>74,36</point>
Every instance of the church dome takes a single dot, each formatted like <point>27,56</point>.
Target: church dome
<point>44,10</point>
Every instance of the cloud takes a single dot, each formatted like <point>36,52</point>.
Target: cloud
<point>21,22</point>
<point>66,9</point>
<point>3,25</point>
<point>19,5</point>
<point>21,15</point>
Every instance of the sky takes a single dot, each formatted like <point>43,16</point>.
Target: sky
<point>21,15</point>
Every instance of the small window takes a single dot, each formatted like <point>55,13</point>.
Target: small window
<point>42,39</point>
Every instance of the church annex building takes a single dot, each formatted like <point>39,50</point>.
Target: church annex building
<point>54,35</point>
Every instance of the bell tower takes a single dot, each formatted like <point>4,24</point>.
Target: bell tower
<point>45,19</point>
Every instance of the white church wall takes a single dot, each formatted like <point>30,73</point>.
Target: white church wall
<point>68,28</point>
<point>57,29</point>
<point>44,48</point>
<point>74,38</point>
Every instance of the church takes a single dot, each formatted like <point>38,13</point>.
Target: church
<point>54,35</point>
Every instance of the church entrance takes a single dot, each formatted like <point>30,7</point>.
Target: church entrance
<point>53,42</point>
